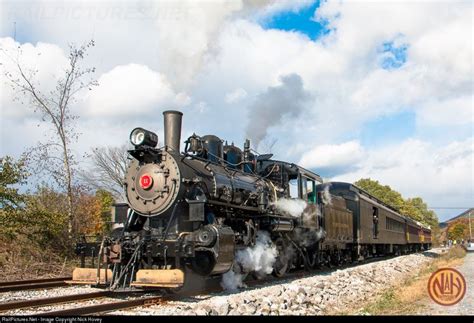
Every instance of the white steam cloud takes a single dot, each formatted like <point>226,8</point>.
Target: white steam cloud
<point>309,213</point>
<point>232,280</point>
<point>300,208</point>
<point>258,258</point>
<point>293,207</point>
<point>326,196</point>
<point>198,24</point>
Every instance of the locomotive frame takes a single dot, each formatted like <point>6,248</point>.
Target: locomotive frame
<point>192,211</point>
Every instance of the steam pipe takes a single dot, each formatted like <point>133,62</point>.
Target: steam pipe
<point>172,127</point>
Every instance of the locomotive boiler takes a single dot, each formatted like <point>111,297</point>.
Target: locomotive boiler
<point>191,211</point>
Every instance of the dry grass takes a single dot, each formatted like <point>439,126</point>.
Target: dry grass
<point>409,296</point>
<point>22,260</point>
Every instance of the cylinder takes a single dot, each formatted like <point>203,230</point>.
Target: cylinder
<point>172,125</point>
<point>280,225</point>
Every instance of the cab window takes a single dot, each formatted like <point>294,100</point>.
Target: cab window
<point>304,188</point>
<point>308,190</point>
<point>311,189</point>
<point>293,183</point>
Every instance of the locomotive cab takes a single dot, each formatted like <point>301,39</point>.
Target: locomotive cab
<point>295,181</point>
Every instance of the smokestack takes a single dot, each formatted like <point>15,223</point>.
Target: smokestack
<point>172,129</point>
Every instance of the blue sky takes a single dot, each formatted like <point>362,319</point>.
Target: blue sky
<point>388,129</point>
<point>390,87</point>
<point>301,21</point>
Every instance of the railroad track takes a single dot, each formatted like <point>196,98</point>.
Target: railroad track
<point>33,284</point>
<point>148,300</point>
<point>51,300</point>
<point>108,307</point>
<point>84,310</point>
<point>152,300</point>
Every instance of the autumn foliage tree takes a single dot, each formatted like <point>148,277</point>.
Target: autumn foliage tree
<point>415,207</point>
<point>459,229</point>
<point>95,213</point>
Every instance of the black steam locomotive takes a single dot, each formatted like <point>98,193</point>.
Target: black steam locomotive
<point>190,212</point>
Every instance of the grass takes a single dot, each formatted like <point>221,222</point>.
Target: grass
<point>409,296</point>
<point>22,260</point>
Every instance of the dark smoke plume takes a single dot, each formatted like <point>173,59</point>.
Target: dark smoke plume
<point>289,98</point>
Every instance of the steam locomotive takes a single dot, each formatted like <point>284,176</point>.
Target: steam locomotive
<point>190,213</point>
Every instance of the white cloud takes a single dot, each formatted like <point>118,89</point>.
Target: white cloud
<point>453,111</point>
<point>345,154</point>
<point>442,175</point>
<point>235,96</point>
<point>131,90</point>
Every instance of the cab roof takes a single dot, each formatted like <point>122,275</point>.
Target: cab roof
<point>293,168</point>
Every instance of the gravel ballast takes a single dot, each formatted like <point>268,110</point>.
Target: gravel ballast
<point>318,294</point>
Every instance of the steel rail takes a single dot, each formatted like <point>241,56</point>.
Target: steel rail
<point>106,307</point>
<point>32,281</point>
<point>33,284</point>
<point>14,305</point>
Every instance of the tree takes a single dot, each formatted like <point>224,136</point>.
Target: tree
<point>94,212</point>
<point>55,156</point>
<point>44,218</point>
<point>106,201</point>
<point>457,231</point>
<point>11,173</point>
<point>383,192</point>
<point>108,170</point>
<point>415,207</point>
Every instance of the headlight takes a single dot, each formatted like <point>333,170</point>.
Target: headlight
<point>142,137</point>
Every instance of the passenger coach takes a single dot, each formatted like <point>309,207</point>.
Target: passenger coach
<point>377,227</point>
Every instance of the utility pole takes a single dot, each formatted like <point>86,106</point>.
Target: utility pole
<point>470,229</point>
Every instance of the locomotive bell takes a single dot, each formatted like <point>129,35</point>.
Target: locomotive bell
<point>153,187</point>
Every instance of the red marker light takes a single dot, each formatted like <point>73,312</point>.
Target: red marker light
<point>146,181</point>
